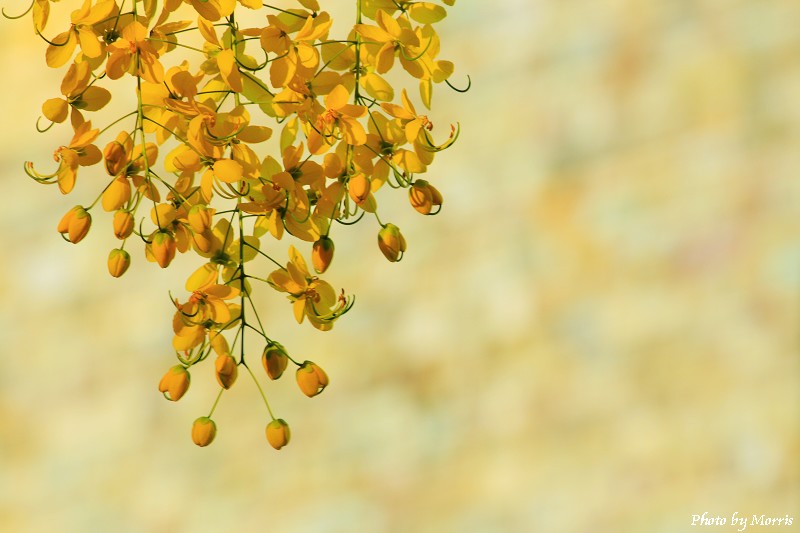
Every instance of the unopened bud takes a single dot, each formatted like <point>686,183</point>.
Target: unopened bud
<point>203,431</point>
<point>311,379</point>
<point>274,360</point>
<point>424,197</point>
<point>118,262</point>
<point>391,242</point>
<point>116,158</point>
<point>420,197</point>
<point>359,188</point>
<point>75,224</point>
<point>322,254</point>
<point>163,247</point>
<point>278,433</point>
<point>175,383</point>
<point>226,370</point>
<point>123,224</point>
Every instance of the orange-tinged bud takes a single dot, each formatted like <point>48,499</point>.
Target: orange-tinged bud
<point>116,158</point>
<point>123,224</point>
<point>163,247</point>
<point>419,194</point>
<point>75,223</point>
<point>118,262</point>
<point>175,383</point>
<point>226,370</point>
<point>391,242</point>
<point>359,188</point>
<point>322,254</point>
<point>274,360</point>
<point>278,433</point>
<point>203,431</point>
<point>200,218</point>
<point>311,379</point>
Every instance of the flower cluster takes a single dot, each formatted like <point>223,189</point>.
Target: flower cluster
<point>185,171</point>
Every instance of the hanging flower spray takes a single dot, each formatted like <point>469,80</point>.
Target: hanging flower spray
<point>345,137</point>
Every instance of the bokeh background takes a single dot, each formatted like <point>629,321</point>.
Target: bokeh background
<point>598,333</point>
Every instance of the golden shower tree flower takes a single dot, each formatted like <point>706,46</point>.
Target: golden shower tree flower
<point>79,152</point>
<point>337,122</point>
<point>345,128</point>
<point>132,53</point>
<point>79,96</point>
<point>83,31</point>
<point>310,296</point>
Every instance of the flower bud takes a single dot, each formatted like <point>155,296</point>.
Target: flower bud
<point>311,379</point>
<point>116,158</point>
<point>322,254</point>
<point>226,370</point>
<point>123,224</point>
<point>420,197</point>
<point>200,218</point>
<point>75,223</point>
<point>278,433</point>
<point>163,247</point>
<point>359,188</point>
<point>175,383</point>
<point>424,197</point>
<point>274,360</point>
<point>391,242</point>
<point>118,262</point>
<point>203,431</point>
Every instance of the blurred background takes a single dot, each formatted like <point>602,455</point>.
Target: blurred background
<point>598,333</point>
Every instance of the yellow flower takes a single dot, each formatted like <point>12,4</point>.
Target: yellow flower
<point>78,95</point>
<point>390,37</point>
<point>311,379</point>
<point>203,431</point>
<point>80,152</point>
<point>278,433</point>
<point>134,54</point>
<point>310,296</point>
<point>294,56</point>
<point>83,30</point>
<point>175,383</point>
<point>337,121</point>
<point>407,115</point>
